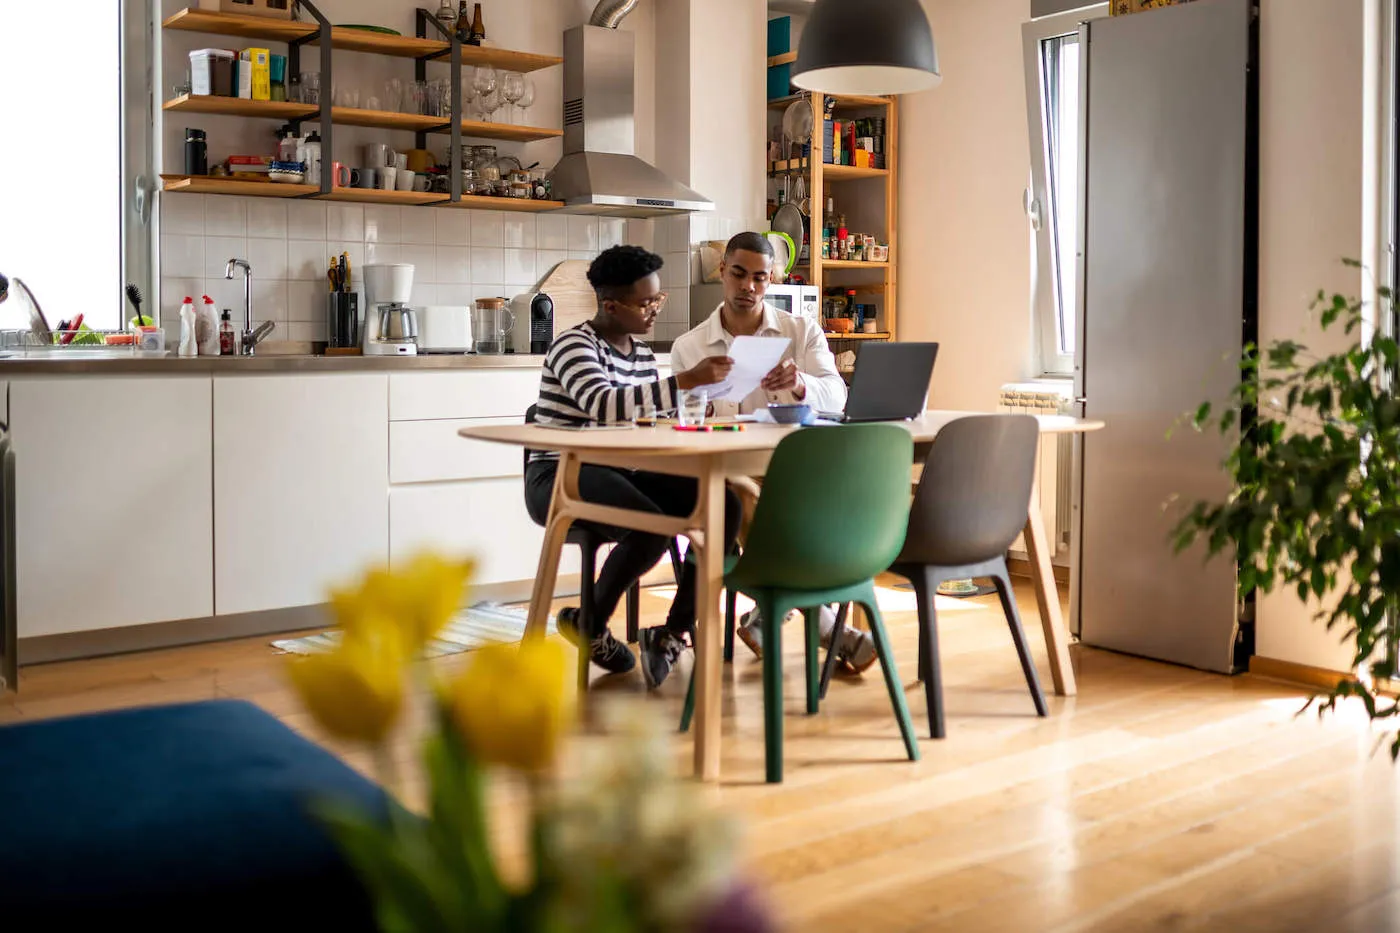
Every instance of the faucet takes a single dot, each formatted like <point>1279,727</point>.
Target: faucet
<point>251,338</point>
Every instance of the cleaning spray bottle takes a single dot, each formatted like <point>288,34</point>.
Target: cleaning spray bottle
<point>189,345</point>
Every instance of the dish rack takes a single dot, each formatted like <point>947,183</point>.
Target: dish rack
<point>63,342</point>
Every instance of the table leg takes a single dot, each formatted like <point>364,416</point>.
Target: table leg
<point>1047,597</point>
<point>709,580</point>
<point>556,529</point>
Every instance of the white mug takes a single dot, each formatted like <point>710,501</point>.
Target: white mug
<point>400,161</point>
<point>421,182</point>
<point>403,179</point>
<point>379,155</point>
<point>386,178</point>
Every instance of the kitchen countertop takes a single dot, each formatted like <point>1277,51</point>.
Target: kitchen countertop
<point>57,364</point>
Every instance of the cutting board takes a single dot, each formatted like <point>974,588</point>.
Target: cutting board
<point>567,286</point>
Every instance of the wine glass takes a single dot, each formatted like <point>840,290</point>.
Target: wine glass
<point>490,102</point>
<point>512,89</point>
<point>527,97</point>
<point>485,83</point>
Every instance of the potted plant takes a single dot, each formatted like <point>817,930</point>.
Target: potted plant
<point>616,844</point>
<point>1315,505</point>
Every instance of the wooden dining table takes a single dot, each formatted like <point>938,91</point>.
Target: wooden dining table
<point>715,458</point>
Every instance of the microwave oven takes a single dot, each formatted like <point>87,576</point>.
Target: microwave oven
<point>800,300</point>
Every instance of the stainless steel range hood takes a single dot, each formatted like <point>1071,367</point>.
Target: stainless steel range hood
<point>600,172</point>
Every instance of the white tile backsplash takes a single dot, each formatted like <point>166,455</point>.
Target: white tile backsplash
<point>454,265</point>
<point>225,216</point>
<point>306,220</point>
<point>458,255</point>
<point>488,228</point>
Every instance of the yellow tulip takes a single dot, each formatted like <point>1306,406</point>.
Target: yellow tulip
<point>420,598</point>
<point>512,703</point>
<point>356,690</point>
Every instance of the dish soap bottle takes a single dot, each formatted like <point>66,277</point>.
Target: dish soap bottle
<point>227,339</point>
<point>188,344</point>
<point>207,328</point>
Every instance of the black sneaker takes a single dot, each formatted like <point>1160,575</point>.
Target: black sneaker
<point>660,650</point>
<point>605,650</point>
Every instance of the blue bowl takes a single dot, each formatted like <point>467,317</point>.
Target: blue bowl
<point>792,414</point>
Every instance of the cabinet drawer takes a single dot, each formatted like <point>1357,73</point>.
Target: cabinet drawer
<point>432,451</point>
<point>502,393</point>
<point>484,519</point>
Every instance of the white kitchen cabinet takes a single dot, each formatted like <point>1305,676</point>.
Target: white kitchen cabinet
<point>484,519</point>
<point>301,477</point>
<point>489,393</point>
<point>433,451</point>
<point>113,510</point>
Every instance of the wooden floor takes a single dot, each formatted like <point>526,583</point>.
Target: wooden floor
<point>1158,799</point>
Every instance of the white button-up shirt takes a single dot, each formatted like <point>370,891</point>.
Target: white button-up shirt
<point>826,390</point>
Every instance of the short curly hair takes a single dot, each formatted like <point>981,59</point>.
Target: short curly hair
<point>618,268</point>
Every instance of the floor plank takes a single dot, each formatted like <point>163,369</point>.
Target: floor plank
<point>1159,798</point>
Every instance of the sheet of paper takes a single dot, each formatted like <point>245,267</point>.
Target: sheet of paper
<point>754,358</point>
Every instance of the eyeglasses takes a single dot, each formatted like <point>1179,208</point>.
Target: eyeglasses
<point>655,303</point>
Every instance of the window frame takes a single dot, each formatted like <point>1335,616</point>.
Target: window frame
<point>1036,200</point>
<point>140,101</point>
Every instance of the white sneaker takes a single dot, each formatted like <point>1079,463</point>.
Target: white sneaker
<point>857,649</point>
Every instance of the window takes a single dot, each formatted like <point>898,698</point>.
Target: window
<point>71,227</point>
<point>1053,94</point>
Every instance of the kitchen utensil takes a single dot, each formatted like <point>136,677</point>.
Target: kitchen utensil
<point>491,324</point>
<point>788,220</point>
<point>784,249</point>
<point>541,323</point>
<point>383,30</point>
<point>345,272</point>
<point>133,294</point>
<point>574,299</point>
<point>790,414</point>
<point>797,123</point>
<point>403,179</point>
<point>387,177</point>
<point>445,329</point>
<point>388,287</point>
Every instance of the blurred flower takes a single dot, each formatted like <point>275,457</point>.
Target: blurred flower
<point>420,597</point>
<point>511,703</point>
<point>356,690</point>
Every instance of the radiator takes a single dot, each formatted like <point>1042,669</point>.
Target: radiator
<point>1055,465</point>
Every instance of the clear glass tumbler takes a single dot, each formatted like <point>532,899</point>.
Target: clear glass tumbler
<point>693,403</point>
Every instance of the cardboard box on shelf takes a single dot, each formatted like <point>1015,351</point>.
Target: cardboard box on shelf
<point>274,9</point>
<point>1124,7</point>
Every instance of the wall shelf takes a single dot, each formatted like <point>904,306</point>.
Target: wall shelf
<point>239,107</point>
<point>199,184</point>
<point>842,102</point>
<point>854,264</point>
<point>787,58</point>
<point>351,40</point>
<point>385,119</point>
<point>508,132</point>
<point>471,202</point>
<point>833,336</point>
<point>851,172</point>
<point>375,196</point>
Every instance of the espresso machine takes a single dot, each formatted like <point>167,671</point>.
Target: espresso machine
<point>391,326</point>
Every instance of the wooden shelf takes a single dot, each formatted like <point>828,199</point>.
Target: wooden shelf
<point>385,119</point>
<point>238,107</point>
<point>351,40</point>
<point>853,264</point>
<point>851,172</point>
<point>199,184</point>
<point>508,132</point>
<point>787,58</point>
<point>473,202</point>
<point>834,336</point>
<point>375,196</point>
<point>782,103</point>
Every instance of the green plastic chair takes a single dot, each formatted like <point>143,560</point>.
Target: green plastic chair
<point>833,514</point>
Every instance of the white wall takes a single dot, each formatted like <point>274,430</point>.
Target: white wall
<point>1316,171</point>
<point>964,255</point>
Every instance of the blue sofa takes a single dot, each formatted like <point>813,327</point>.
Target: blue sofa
<point>189,817</point>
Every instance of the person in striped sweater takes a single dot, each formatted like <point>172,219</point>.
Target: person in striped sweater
<point>600,373</point>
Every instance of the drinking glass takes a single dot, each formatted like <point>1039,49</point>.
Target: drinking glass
<point>490,103</point>
<point>527,98</point>
<point>393,95</point>
<point>512,89</point>
<point>485,82</point>
<point>693,404</point>
<point>311,87</point>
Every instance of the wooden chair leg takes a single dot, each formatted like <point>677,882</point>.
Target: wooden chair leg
<point>1018,635</point>
<point>925,582</point>
<point>634,612</point>
<point>772,689</point>
<point>892,682</point>
<point>831,653</point>
<point>585,615</point>
<point>812,623</point>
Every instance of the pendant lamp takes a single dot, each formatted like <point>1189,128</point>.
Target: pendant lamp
<point>867,47</point>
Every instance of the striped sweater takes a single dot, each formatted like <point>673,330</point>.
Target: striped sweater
<point>586,381</point>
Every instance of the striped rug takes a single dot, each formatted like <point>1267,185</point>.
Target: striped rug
<point>475,627</point>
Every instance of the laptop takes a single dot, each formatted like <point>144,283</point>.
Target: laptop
<point>890,383</point>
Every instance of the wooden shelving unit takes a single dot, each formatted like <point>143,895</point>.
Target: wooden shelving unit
<point>350,40</point>
<point>421,50</point>
<point>826,273</point>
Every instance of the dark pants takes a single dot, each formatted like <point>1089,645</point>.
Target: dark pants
<point>636,552</point>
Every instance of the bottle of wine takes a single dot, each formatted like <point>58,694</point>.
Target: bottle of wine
<point>478,32</point>
<point>464,21</point>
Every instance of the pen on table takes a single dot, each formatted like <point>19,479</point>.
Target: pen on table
<point>728,427</point>
<point>691,427</point>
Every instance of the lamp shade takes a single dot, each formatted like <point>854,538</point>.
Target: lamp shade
<point>868,47</point>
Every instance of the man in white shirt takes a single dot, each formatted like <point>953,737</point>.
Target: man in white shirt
<point>807,375</point>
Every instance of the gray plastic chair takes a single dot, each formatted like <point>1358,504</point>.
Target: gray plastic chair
<point>970,505</point>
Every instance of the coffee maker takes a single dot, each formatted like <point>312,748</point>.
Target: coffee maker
<point>391,326</point>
